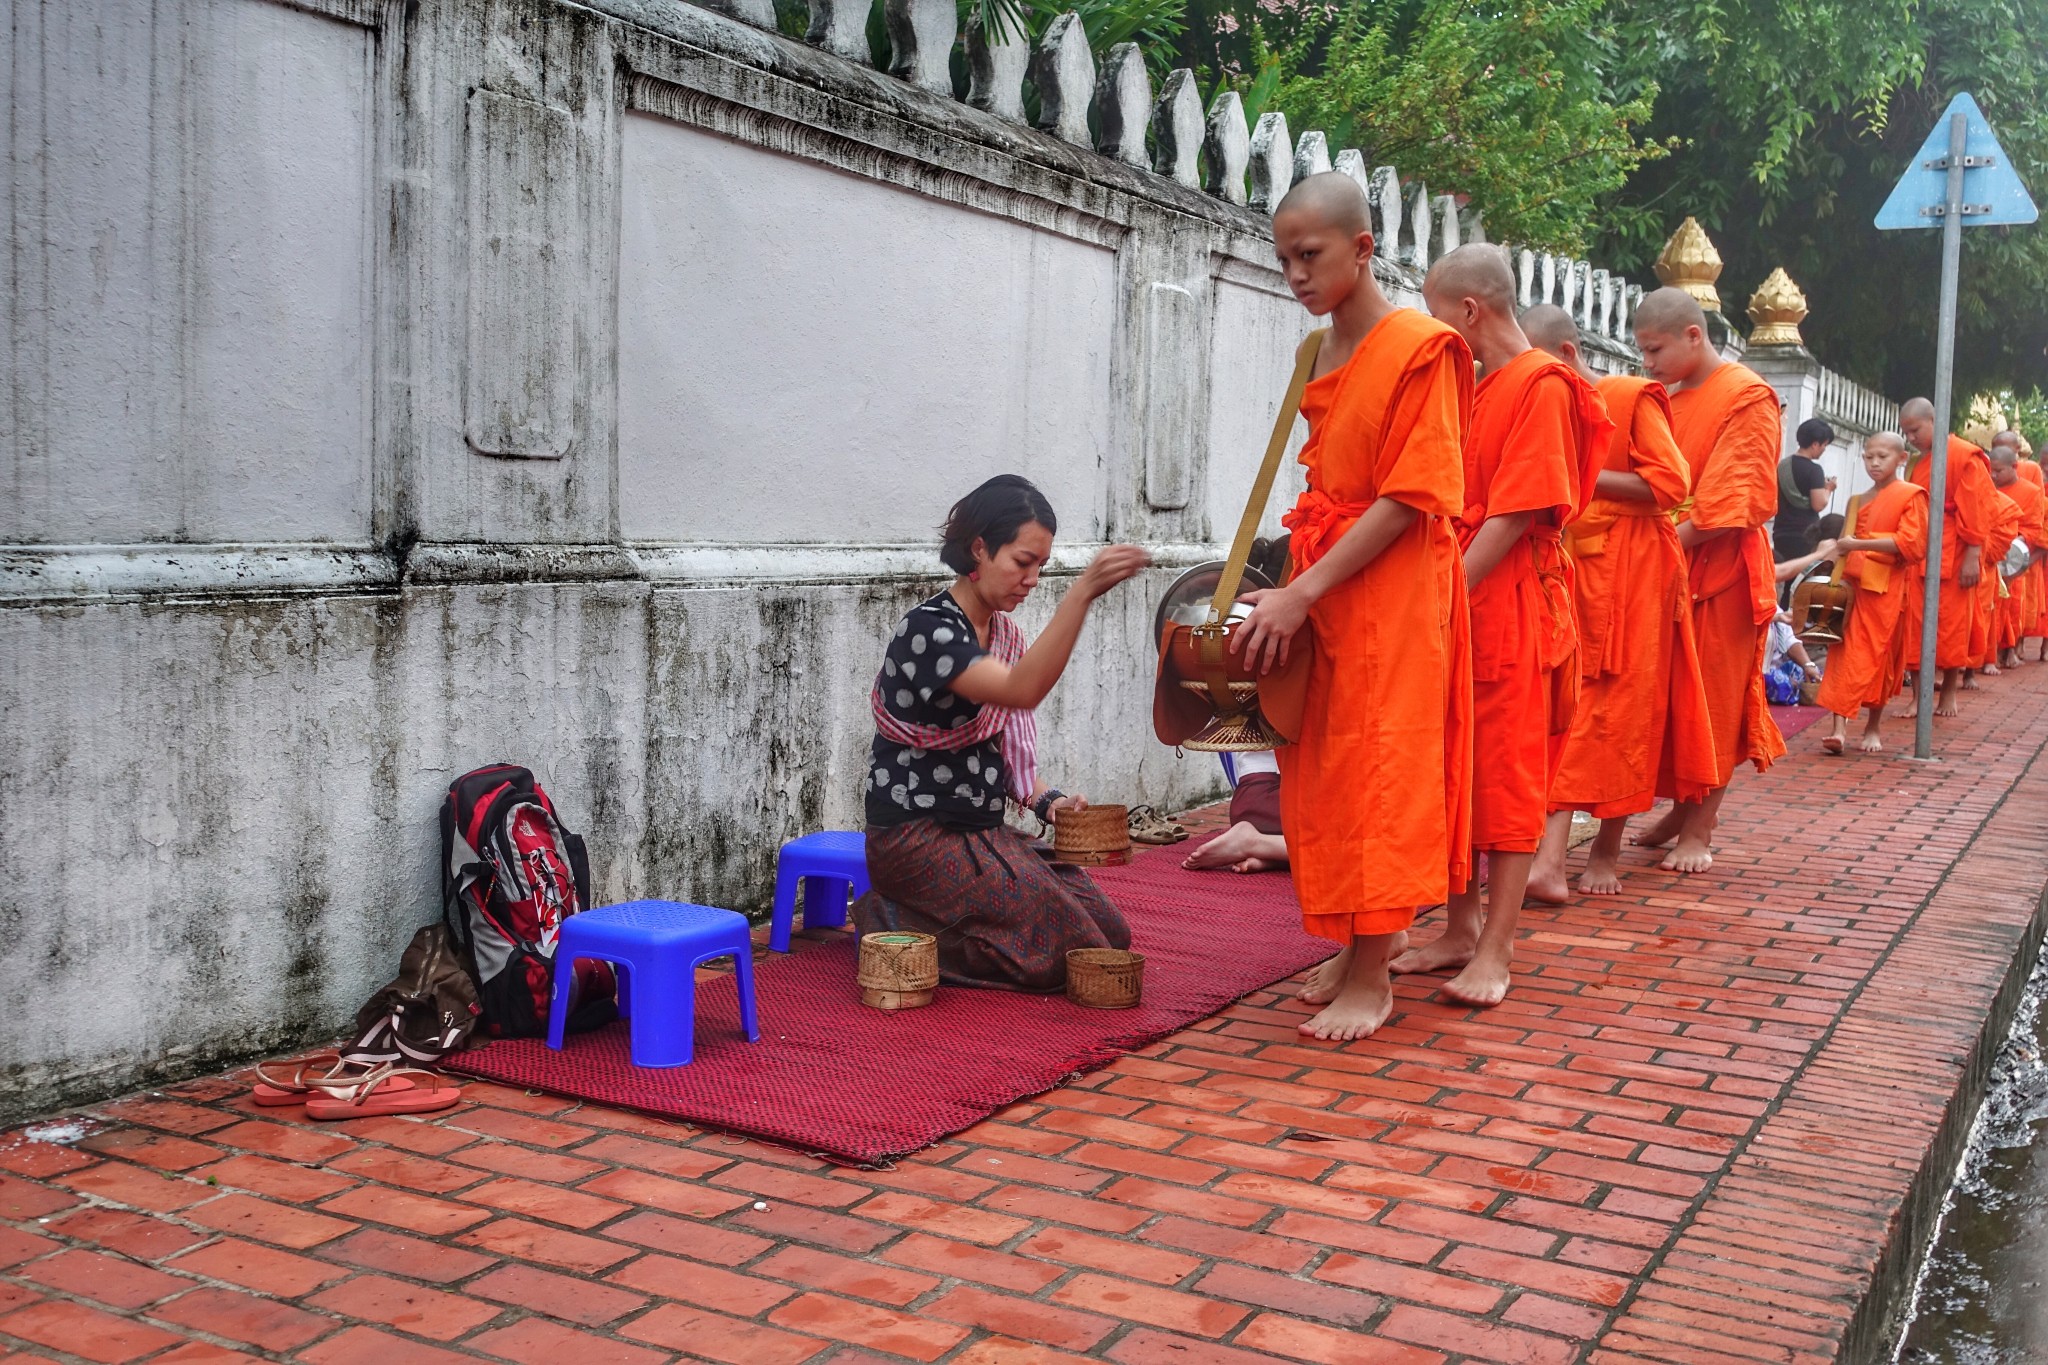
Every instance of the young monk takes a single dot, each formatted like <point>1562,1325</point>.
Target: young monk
<point>1726,420</point>
<point>2021,606</point>
<point>1642,705</point>
<point>2006,522</point>
<point>1375,794</point>
<point>1967,512</point>
<point>1885,548</point>
<point>1538,434</point>
<point>2033,609</point>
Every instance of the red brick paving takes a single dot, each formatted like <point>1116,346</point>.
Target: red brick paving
<point>1692,1134</point>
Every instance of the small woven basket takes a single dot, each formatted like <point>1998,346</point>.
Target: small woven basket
<point>1099,836</point>
<point>1105,978</point>
<point>898,971</point>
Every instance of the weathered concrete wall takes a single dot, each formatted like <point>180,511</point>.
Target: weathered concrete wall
<point>396,387</point>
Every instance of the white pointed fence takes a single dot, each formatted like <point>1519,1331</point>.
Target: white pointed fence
<point>1115,111</point>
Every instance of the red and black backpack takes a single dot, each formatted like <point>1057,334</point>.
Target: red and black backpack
<point>510,874</point>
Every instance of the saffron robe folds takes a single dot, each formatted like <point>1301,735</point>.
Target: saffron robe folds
<point>1539,433</point>
<point>1991,589</point>
<point>2021,606</point>
<point>1376,794</point>
<point>1967,514</point>
<point>1869,664</point>
<point>1728,426</point>
<point>1642,704</point>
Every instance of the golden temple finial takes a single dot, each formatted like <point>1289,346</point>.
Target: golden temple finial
<point>1777,308</point>
<point>1689,262</point>
<point>1987,419</point>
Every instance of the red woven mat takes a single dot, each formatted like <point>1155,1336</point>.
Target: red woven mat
<point>1792,719</point>
<point>862,1086</point>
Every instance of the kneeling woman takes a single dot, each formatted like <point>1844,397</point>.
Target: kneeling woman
<point>955,735</point>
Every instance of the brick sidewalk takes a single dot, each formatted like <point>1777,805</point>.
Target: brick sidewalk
<point>1694,1133</point>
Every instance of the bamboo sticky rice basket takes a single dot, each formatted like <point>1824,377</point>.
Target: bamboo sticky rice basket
<point>1105,978</point>
<point>1099,836</point>
<point>898,971</point>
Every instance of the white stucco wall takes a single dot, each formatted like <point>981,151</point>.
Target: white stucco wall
<point>190,323</point>
<point>807,355</point>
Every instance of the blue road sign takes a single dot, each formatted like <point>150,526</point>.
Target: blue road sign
<point>1992,192</point>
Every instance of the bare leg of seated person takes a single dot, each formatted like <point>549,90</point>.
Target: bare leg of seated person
<point>1242,847</point>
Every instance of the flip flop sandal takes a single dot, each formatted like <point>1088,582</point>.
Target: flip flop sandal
<point>1148,828</point>
<point>274,1088</point>
<point>1832,744</point>
<point>386,1090</point>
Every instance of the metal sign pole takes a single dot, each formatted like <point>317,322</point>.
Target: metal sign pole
<point>1944,384</point>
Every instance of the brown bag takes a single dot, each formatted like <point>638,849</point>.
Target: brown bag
<point>1262,710</point>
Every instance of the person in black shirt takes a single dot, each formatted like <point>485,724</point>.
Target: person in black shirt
<point>1804,490</point>
<point>956,743</point>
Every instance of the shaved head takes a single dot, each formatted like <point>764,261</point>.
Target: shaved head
<point>1669,311</point>
<point>1333,198</point>
<point>2008,438</point>
<point>1549,326</point>
<point>1917,410</point>
<point>1478,272</point>
<point>1890,440</point>
<point>2008,455</point>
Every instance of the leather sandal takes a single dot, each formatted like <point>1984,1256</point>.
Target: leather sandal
<point>1148,828</point>
<point>277,1087</point>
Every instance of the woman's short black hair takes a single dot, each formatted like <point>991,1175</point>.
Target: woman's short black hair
<point>1814,432</point>
<point>992,514</point>
<point>1829,527</point>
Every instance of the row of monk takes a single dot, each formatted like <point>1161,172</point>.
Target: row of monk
<point>1531,592</point>
<point>1534,591</point>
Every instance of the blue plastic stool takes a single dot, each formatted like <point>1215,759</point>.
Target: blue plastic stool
<point>657,947</point>
<point>833,867</point>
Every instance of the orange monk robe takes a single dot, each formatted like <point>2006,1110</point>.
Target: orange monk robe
<point>1376,794</point>
<point>1729,429</point>
<point>1991,589</point>
<point>2021,606</point>
<point>1539,433</point>
<point>1868,666</point>
<point>2030,470</point>
<point>1642,704</point>
<point>1967,512</point>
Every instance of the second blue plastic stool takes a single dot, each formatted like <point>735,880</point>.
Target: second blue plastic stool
<point>657,947</point>
<point>833,867</point>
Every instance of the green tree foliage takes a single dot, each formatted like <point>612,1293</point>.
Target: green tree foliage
<point>1508,104</point>
<point>1793,119</point>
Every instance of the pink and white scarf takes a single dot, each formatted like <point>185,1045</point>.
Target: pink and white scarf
<point>1019,728</point>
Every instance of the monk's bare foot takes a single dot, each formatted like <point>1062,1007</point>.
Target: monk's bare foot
<point>1690,854</point>
<point>1548,887</point>
<point>1989,671</point>
<point>1663,831</point>
<point>1948,706</point>
<point>1357,1012</point>
<point>1440,954</point>
<point>1483,983</point>
<point>1227,849</point>
<point>1871,743</point>
<point>1326,981</point>
<point>1832,743</point>
<point>1602,876</point>
<point>1969,682</point>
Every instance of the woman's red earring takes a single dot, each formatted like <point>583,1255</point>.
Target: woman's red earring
<point>974,577</point>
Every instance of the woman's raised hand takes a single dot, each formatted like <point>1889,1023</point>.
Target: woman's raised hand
<point>1112,565</point>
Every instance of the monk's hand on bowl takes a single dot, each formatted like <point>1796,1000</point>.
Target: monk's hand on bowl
<point>1112,565</point>
<point>1266,636</point>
